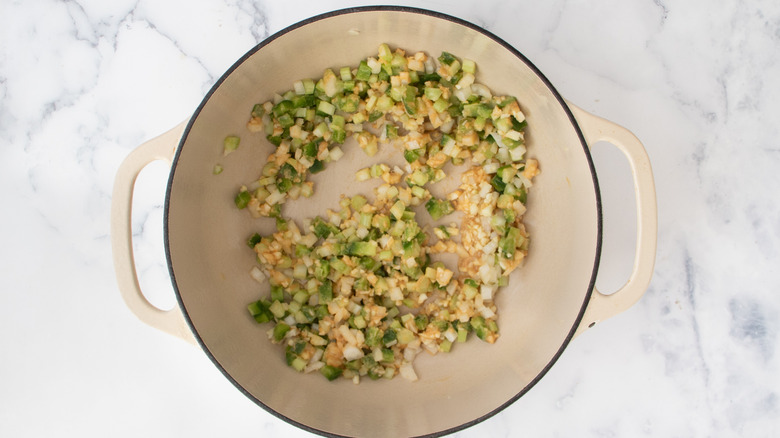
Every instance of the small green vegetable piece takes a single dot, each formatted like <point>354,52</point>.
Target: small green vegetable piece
<point>254,240</point>
<point>447,58</point>
<point>277,293</point>
<point>373,336</point>
<point>257,110</point>
<point>362,249</point>
<point>230,144</point>
<point>280,330</point>
<point>326,291</point>
<point>389,337</point>
<point>411,156</point>
<point>438,208</point>
<point>259,310</point>
<point>317,167</point>
<point>242,199</point>
<point>478,325</point>
<point>331,372</point>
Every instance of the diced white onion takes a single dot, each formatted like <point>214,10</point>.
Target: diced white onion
<point>313,366</point>
<point>396,294</point>
<point>497,138</point>
<point>463,94</point>
<point>517,153</point>
<point>513,135</point>
<point>352,353</point>
<point>430,65</point>
<point>374,65</point>
<point>451,335</point>
<point>486,312</point>
<point>481,90</point>
<point>299,88</point>
<point>520,179</point>
<point>407,372</point>
<point>336,153</point>
<point>411,350</point>
<point>491,168</point>
<point>257,274</point>
<point>275,197</point>
<point>490,247</point>
<point>487,292</point>
<point>465,81</point>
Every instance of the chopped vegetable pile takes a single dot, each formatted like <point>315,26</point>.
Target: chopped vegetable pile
<point>356,292</point>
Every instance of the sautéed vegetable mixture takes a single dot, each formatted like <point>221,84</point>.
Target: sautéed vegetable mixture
<point>355,292</point>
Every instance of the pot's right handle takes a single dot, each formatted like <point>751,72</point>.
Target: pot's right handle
<point>163,148</point>
<point>603,306</point>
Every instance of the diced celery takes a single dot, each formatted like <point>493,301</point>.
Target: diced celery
<point>331,372</point>
<point>326,108</point>
<point>339,265</point>
<point>462,334</point>
<point>359,322</point>
<point>389,337</point>
<point>421,322</point>
<point>366,219</point>
<point>358,201</point>
<point>478,325</point>
<point>363,71</point>
<point>308,86</point>
<point>373,336</point>
<point>384,103</point>
<point>391,131</point>
<point>277,293</point>
<point>298,364</point>
<point>360,248</point>
<point>258,110</point>
<point>230,144</point>
<point>433,93</point>
<point>242,199</point>
<point>405,336</point>
<point>438,208</point>
<point>316,167</point>
<point>280,330</point>
<point>345,73</point>
<point>469,66</point>
<point>326,291</point>
<point>447,58</point>
<point>498,183</point>
<point>411,155</point>
<point>385,54</point>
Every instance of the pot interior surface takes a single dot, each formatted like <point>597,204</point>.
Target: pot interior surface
<point>210,261</point>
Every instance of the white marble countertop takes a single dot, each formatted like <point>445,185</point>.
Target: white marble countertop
<point>83,82</point>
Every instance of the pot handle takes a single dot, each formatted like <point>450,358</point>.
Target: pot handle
<point>162,147</point>
<point>603,306</point>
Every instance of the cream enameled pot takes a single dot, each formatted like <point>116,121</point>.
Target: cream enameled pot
<point>549,301</point>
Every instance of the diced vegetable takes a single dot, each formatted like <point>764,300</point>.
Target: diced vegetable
<point>331,372</point>
<point>438,208</point>
<point>230,144</point>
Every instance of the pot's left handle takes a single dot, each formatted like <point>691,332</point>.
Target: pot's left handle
<point>163,148</point>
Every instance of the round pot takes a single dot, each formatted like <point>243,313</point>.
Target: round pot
<point>548,301</point>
